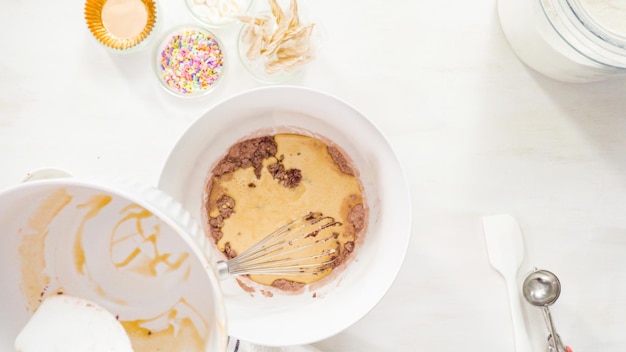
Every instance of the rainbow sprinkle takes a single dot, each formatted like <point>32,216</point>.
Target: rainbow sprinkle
<point>191,62</point>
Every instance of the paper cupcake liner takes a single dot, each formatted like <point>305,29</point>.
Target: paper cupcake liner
<point>93,16</point>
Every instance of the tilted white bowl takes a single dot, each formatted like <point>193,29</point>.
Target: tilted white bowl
<point>129,248</point>
<point>350,293</point>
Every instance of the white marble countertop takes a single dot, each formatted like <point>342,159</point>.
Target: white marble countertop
<point>478,133</point>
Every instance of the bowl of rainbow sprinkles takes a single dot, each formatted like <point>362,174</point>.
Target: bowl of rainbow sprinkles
<point>189,61</point>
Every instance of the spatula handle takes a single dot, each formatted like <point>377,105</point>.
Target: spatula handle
<point>522,342</point>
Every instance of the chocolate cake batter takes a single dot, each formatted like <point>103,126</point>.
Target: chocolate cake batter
<point>265,182</point>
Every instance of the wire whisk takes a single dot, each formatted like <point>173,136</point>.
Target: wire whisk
<point>297,248</point>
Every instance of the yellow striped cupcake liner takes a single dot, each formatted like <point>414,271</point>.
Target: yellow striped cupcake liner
<point>93,16</point>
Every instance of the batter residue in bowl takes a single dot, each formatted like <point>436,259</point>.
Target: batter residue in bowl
<point>263,183</point>
<point>64,225</point>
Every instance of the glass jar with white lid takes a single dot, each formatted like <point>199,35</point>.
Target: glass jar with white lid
<point>568,40</point>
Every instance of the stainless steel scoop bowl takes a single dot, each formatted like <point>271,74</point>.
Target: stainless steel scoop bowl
<point>541,288</point>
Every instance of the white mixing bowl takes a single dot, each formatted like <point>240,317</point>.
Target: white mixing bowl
<point>131,249</point>
<point>347,295</point>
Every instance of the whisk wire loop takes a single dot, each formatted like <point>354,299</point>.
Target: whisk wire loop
<point>276,253</point>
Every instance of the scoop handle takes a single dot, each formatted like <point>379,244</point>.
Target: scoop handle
<point>555,340</point>
<point>522,343</point>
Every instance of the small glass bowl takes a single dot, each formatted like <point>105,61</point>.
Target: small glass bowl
<point>115,41</point>
<point>256,68</point>
<point>189,61</point>
<point>218,13</point>
<point>283,70</point>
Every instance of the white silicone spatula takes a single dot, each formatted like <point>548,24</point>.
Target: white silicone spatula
<point>505,248</point>
<point>72,324</point>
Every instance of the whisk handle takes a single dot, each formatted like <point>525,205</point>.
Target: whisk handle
<point>222,270</point>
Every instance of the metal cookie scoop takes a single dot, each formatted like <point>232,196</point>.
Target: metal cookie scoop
<point>542,288</point>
